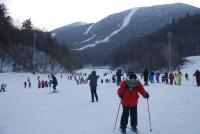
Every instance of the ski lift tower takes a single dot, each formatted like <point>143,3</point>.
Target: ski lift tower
<point>169,35</point>
<point>34,40</point>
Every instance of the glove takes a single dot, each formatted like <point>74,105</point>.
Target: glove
<point>147,95</point>
<point>121,96</point>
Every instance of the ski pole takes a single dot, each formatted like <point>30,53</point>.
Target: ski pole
<point>149,115</point>
<point>116,118</point>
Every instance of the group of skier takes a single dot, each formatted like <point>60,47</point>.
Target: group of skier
<point>53,81</point>
<point>168,78</point>
<point>42,84</point>
<point>128,91</point>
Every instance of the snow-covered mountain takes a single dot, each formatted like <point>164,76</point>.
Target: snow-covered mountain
<point>118,28</point>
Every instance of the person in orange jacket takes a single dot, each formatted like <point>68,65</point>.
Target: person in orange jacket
<point>128,92</point>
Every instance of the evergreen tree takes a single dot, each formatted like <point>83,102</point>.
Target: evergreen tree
<point>27,25</point>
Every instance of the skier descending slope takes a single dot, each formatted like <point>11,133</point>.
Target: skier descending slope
<point>128,92</point>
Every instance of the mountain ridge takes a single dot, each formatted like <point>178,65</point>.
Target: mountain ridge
<point>145,20</point>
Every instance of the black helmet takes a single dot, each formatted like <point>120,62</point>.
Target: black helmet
<point>132,75</point>
<point>93,72</point>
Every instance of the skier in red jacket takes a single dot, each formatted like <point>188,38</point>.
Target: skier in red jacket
<point>128,92</point>
<point>171,78</point>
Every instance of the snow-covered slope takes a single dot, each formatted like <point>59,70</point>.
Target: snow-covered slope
<point>126,21</point>
<point>174,109</point>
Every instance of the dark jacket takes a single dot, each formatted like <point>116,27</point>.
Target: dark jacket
<point>93,79</point>
<point>54,80</point>
<point>119,74</point>
<point>146,74</point>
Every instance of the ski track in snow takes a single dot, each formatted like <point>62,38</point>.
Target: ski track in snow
<point>89,39</point>
<point>88,30</point>
<point>126,21</point>
<point>174,109</point>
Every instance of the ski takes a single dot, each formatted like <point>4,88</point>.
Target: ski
<point>129,131</point>
<point>54,91</point>
<point>122,132</point>
<point>133,131</point>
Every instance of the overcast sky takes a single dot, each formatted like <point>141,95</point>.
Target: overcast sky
<point>51,14</point>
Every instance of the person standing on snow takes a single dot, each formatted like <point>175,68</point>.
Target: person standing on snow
<point>128,92</point>
<point>186,77</point>
<point>39,84</point>
<point>166,78</point>
<point>3,86</point>
<point>197,74</point>
<point>171,78</point>
<point>179,77</point>
<point>146,75</point>
<point>157,77</point>
<point>119,74</point>
<point>151,77</point>
<point>93,85</point>
<point>25,84</point>
<point>54,82</point>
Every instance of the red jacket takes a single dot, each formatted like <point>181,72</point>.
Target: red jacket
<point>171,76</point>
<point>130,97</point>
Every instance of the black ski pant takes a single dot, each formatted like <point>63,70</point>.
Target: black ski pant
<point>54,87</point>
<point>94,93</point>
<point>145,81</point>
<point>2,90</point>
<point>124,119</point>
<point>118,82</point>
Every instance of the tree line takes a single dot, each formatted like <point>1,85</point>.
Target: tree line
<point>17,47</point>
<point>154,50</point>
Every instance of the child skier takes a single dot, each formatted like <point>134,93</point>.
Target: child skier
<point>128,92</point>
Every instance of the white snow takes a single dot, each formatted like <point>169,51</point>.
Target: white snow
<point>174,109</point>
<point>89,39</point>
<point>89,28</point>
<point>126,21</point>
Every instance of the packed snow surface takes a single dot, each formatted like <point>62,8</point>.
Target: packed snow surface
<point>174,109</point>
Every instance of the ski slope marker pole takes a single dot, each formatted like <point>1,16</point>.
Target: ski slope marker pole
<point>116,118</point>
<point>149,115</point>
